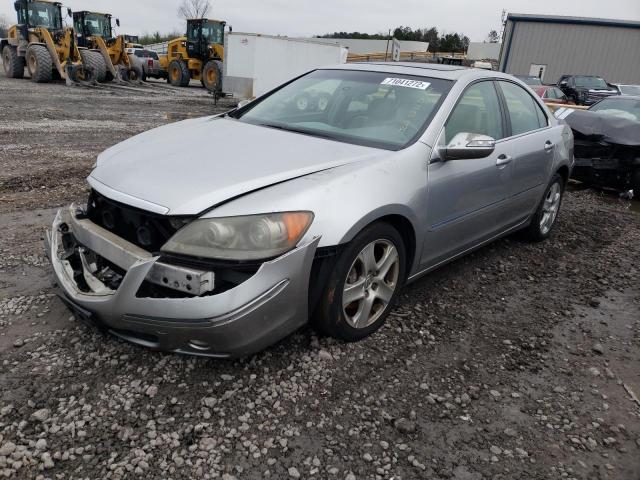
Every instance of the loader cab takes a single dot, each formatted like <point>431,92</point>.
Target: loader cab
<point>89,24</point>
<point>39,13</point>
<point>202,34</point>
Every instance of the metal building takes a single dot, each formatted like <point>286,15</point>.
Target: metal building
<point>550,46</point>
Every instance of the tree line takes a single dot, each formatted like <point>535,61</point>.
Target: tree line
<point>446,42</point>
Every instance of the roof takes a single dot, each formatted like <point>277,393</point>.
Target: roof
<point>602,22</point>
<point>433,70</point>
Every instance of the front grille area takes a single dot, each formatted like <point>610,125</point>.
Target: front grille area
<point>147,230</point>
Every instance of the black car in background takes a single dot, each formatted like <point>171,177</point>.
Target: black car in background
<point>586,89</point>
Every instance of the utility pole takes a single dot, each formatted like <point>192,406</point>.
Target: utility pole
<point>386,52</point>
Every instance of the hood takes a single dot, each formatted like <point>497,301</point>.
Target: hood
<point>190,166</point>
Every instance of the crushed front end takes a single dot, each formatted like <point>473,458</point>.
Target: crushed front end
<point>107,263</point>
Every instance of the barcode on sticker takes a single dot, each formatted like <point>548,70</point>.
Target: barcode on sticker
<point>405,82</point>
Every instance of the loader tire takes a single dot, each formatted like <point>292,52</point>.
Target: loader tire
<point>82,74</point>
<point>95,62</point>
<point>212,76</point>
<point>13,63</point>
<point>179,75</point>
<point>39,63</point>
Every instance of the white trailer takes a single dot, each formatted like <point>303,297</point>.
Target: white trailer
<point>255,64</point>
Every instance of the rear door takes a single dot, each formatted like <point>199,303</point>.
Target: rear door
<point>467,200</point>
<point>533,142</point>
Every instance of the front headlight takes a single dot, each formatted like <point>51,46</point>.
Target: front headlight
<point>252,237</point>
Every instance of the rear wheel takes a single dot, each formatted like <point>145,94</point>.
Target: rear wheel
<point>95,61</point>
<point>179,73</point>
<point>12,62</point>
<point>39,63</point>
<point>544,219</point>
<point>134,74</point>
<point>363,285</point>
<point>212,76</point>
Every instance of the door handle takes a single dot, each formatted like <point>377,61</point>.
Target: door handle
<point>503,160</point>
<point>548,146</point>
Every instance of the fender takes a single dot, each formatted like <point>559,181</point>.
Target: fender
<point>378,213</point>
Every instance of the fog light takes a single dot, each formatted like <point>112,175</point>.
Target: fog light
<point>199,345</point>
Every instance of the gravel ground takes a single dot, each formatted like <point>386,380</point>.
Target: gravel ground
<point>518,362</point>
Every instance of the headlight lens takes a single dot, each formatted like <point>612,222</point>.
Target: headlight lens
<point>252,237</point>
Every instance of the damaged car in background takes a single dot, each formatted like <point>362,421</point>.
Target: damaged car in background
<point>219,236</point>
<point>607,143</point>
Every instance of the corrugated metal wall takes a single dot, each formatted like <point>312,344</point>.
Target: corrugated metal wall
<point>611,52</point>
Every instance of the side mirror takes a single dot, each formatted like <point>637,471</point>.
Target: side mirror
<point>16,5</point>
<point>118,22</point>
<point>466,146</point>
<point>563,83</point>
<point>230,29</point>
<point>69,12</point>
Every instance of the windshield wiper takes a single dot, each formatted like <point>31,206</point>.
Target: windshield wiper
<point>303,131</point>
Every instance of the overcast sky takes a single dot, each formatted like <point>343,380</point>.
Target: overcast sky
<point>311,17</point>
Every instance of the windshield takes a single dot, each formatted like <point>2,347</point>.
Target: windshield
<point>95,24</point>
<point>385,110</point>
<point>212,32</point>
<point>591,82</point>
<point>45,15</point>
<point>619,107</point>
<point>629,89</point>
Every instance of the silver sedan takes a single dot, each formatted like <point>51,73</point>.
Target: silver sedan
<point>219,236</point>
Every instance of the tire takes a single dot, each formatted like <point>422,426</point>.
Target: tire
<point>349,322</point>
<point>96,62</point>
<point>179,75</point>
<point>212,76</point>
<point>134,74</point>
<point>545,216</point>
<point>108,77</point>
<point>12,62</point>
<point>82,73</point>
<point>39,63</point>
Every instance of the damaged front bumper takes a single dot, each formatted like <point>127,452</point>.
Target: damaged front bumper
<point>247,318</point>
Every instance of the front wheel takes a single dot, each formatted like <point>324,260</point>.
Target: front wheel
<point>364,284</point>
<point>39,63</point>
<point>212,76</point>
<point>544,218</point>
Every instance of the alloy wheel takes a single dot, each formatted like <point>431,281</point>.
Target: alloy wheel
<point>370,284</point>
<point>550,208</point>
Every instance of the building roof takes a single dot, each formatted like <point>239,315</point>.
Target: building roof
<point>602,22</point>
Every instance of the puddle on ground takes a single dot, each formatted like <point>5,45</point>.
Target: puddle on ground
<point>609,196</point>
<point>176,117</point>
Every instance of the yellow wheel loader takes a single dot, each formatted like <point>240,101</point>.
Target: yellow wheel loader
<point>197,56</point>
<point>95,35</point>
<point>44,45</point>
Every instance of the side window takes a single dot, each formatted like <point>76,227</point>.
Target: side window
<point>478,111</point>
<point>550,93</point>
<point>523,111</point>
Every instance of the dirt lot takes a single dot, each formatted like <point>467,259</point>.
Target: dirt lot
<point>519,362</point>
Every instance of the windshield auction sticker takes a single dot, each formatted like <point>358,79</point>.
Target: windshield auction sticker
<point>405,82</point>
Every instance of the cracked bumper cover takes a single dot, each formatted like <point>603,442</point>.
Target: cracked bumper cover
<point>243,320</point>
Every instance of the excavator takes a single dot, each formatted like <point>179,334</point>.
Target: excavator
<point>95,35</point>
<point>47,48</point>
<point>198,55</point>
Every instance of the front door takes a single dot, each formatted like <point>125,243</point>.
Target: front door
<point>534,141</point>
<point>467,200</point>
